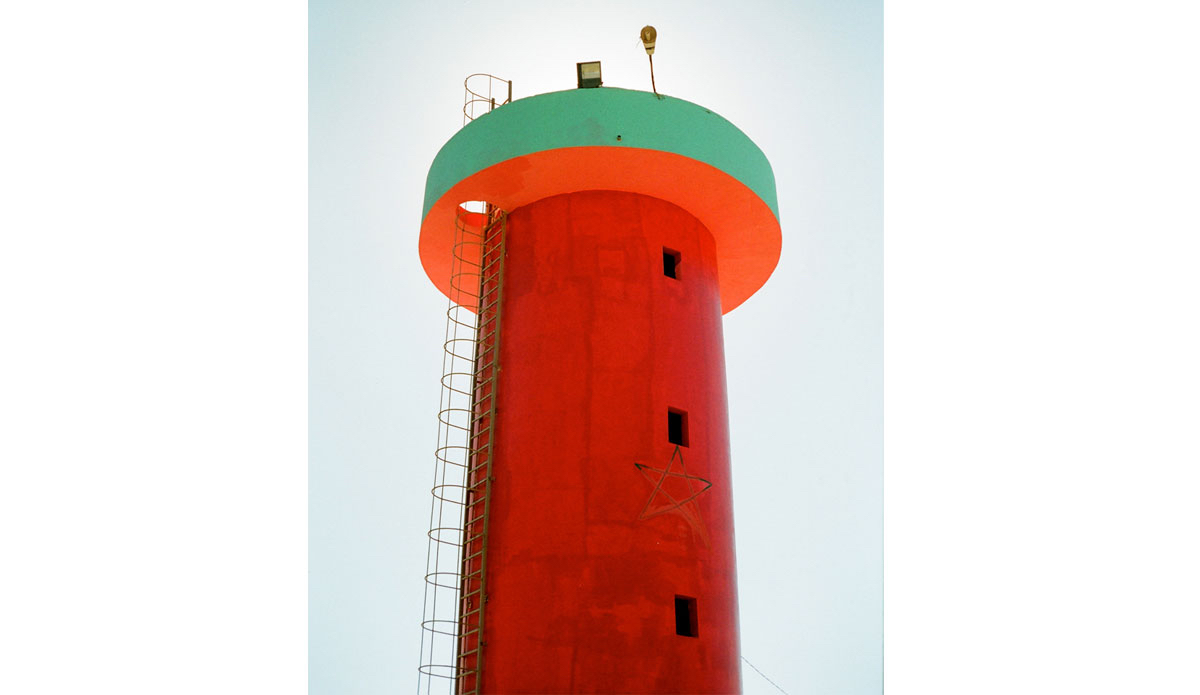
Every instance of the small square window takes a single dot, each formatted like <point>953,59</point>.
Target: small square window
<point>671,263</point>
<point>686,623</point>
<point>677,427</point>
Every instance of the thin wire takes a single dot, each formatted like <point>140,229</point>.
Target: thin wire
<point>764,675</point>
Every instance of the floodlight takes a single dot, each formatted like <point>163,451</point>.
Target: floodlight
<point>588,74</point>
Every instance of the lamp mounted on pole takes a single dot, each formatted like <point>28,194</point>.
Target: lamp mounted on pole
<point>649,35</point>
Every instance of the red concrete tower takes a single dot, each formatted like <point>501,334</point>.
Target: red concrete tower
<point>583,525</point>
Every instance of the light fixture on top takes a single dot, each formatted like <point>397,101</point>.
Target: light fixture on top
<point>588,74</point>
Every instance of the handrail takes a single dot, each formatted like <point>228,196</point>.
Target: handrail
<point>482,91</point>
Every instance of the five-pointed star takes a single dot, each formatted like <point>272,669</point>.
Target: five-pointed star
<point>666,480</point>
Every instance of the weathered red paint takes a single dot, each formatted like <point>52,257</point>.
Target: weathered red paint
<point>583,562</point>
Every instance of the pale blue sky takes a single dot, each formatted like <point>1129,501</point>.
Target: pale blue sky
<point>803,357</point>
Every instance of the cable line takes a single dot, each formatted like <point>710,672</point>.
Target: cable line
<point>764,676</point>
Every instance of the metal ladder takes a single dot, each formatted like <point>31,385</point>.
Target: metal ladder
<point>456,565</point>
<point>479,475</point>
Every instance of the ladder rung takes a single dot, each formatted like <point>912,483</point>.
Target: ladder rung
<point>486,307</point>
<point>490,263</point>
<point>466,623</point>
<point>478,476</point>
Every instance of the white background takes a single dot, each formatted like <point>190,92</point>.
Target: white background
<point>1041,342</point>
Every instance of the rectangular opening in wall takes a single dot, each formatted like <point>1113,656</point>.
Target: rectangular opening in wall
<point>677,427</point>
<point>671,263</point>
<point>685,617</point>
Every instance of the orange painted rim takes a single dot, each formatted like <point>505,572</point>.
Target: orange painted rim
<point>746,231</point>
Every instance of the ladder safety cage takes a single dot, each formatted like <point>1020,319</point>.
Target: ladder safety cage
<point>483,93</point>
<point>456,563</point>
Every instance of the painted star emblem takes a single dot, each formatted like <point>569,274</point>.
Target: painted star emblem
<point>674,491</point>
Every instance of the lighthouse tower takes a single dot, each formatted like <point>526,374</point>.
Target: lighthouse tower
<point>582,533</point>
